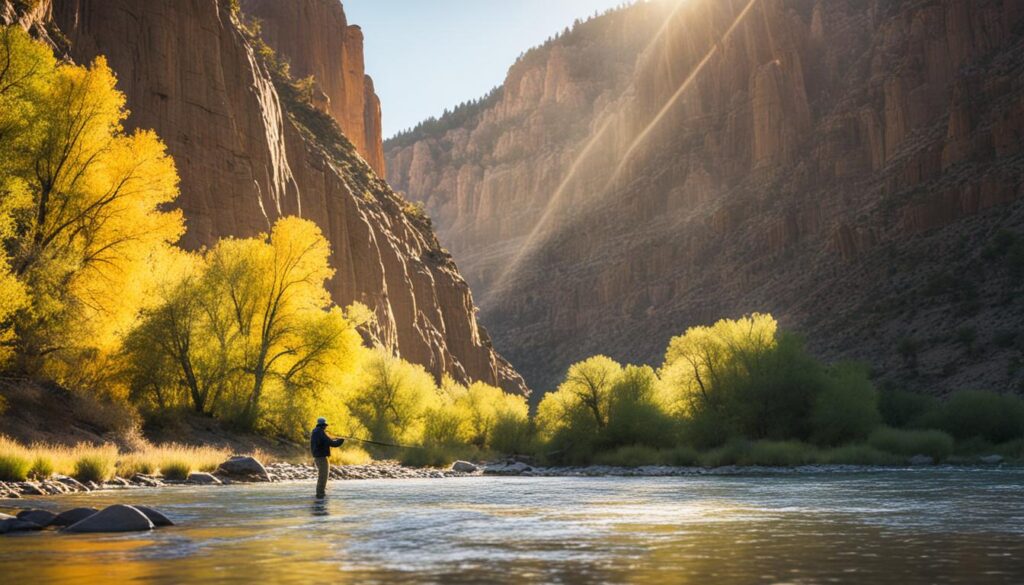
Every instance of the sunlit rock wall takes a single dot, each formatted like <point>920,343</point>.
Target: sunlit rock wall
<point>844,164</point>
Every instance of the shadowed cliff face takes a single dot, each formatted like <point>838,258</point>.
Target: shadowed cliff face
<point>852,166</point>
<point>247,156</point>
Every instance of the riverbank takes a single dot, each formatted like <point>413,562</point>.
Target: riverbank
<point>392,470</point>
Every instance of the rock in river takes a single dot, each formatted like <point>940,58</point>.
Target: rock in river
<point>155,517</point>
<point>202,479</point>
<point>16,525</point>
<point>116,518</point>
<point>69,517</point>
<point>463,467</point>
<point>41,517</point>
<point>244,466</point>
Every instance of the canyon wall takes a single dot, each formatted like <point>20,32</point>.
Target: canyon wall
<point>852,166</point>
<point>248,152</point>
<point>315,38</point>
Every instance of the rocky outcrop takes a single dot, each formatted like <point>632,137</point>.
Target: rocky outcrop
<point>844,164</point>
<point>315,38</point>
<point>248,154</point>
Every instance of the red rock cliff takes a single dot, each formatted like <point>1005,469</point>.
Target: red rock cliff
<point>316,39</point>
<point>849,165</point>
<point>246,156</point>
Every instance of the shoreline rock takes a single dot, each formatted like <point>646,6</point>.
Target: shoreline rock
<point>512,467</point>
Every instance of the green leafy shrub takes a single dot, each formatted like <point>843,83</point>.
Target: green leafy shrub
<point>731,453</point>
<point>512,435</point>
<point>994,417</point>
<point>859,454</point>
<point>634,415</point>
<point>933,443</point>
<point>778,454</point>
<point>1012,450</point>
<point>847,409</point>
<point>631,456</point>
<point>683,456</point>
<point>901,408</point>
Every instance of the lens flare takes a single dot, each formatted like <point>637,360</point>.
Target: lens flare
<point>537,232</point>
<point>679,93</point>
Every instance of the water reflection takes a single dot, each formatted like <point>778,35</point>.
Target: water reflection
<point>894,527</point>
<point>319,507</point>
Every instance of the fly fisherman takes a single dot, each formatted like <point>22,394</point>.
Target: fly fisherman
<point>320,444</point>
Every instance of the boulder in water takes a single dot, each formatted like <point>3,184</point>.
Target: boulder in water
<point>463,467</point>
<point>116,518</point>
<point>992,459</point>
<point>157,518</point>
<point>40,517</point>
<point>16,525</point>
<point>202,479</point>
<point>69,517</point>
<point>244,466</point>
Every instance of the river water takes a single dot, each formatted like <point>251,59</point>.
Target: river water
<point>903,527</point>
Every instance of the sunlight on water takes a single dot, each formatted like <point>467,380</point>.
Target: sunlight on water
<point>906,527</point>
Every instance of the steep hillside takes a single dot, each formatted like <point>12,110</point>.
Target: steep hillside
<point>250,148</point>
<point>852,166</point>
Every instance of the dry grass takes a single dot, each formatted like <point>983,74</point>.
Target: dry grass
<point>350,456</point>
<point>15,463</point>
<point>99,463</point>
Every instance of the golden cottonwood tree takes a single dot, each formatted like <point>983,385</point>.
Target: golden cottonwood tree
<point>83,201</point>
<point>393,398</point>
<point>704,359</point>
<point>248,332</point>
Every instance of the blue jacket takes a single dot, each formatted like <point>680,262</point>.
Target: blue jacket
<point>320,444</point>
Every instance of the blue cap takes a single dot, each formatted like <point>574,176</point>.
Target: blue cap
<point>321,422</point>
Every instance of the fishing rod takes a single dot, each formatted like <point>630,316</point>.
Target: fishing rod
<point>369,442</point>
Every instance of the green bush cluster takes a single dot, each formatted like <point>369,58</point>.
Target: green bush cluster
<point>741,392</point>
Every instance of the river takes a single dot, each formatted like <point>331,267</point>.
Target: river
<point>871,526</point>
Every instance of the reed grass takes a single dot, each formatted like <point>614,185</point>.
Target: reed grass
<point>100,463</point>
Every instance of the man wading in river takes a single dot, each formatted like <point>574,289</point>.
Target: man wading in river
<point>320,444</point>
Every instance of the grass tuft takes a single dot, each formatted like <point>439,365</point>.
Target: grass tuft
<point>175,469</point>
<point>96,464</point>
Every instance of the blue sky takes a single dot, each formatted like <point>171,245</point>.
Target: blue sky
<point>427,55</point>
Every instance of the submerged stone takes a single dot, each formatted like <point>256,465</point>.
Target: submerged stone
<point>157,518</point>
<point>69,517</point>
<point>116,518</point>
<point>40,517</point>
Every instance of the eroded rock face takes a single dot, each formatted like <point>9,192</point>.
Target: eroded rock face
<point>190,73</point>
<point>316,39</point>
<point>843,164</point>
